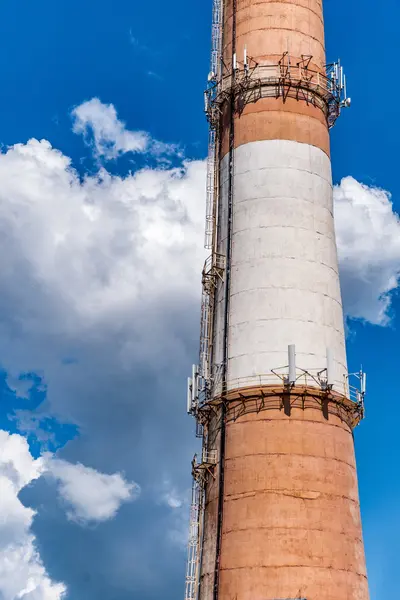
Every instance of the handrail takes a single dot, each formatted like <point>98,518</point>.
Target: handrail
<point>323,90</point>
<point>309,379</point>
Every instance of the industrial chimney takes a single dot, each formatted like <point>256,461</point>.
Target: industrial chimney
<point>275,508</point>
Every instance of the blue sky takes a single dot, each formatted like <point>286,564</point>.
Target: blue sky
<point>150,60</point>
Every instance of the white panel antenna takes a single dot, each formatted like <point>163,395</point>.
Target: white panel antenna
<point>363,377</point>
<point>330,380</point>
<point>292,364</point>
<point>195,384</point>
<point>189,395</point>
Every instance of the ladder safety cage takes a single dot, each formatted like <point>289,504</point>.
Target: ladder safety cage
<point>212,160</point>
<point>213,272</point>
<point>200,472</point>
<point>200,382</point>
<point>193,557</point>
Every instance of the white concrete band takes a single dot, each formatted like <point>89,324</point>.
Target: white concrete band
<point>284,286</point>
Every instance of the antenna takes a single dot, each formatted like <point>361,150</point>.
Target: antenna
<point>234,64</point>
<point>195,380</point>
<point>292,364</point>
<point>193,390</point>
<point>329,368</point>
<point>363,377</point>
<point>189,395</point>
<point>246,66</point>
<point>347,100</point>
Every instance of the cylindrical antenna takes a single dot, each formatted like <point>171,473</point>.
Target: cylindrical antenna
<point>329,367</point>
<point>363,383</point>
<point>292,364</point>
<point>245,55</point>
<point>234,62</point>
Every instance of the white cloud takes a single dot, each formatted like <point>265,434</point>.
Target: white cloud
<point>171,496</point>
<point>368,238</point>
<point>96,247</point>
<point>90,496</point>
<point>100,284</point>
<point>111,137</point>
<point>22,574</point>
<point>178,503</point>
<point>101,128</point>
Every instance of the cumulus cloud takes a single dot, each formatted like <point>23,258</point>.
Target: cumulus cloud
<point>22,574</point>
<point>90,496</point>
<point>100,295</point>
<point>101,127</point>
<point>368,239</point>
<point>110,135</point>
<point>93,254</point>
